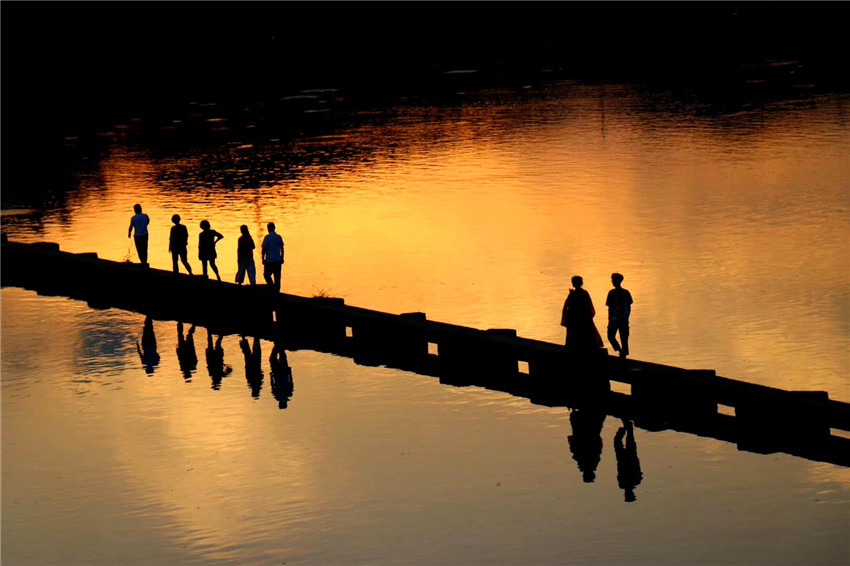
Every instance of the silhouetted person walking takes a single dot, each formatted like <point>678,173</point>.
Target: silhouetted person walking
<point>178,243</point>
<point>272,255</point>
<point>147,347</point>
<point>586,441</point>
<point>215,360</point>
<point>207,240</point>
<point>629,475</point>
<point>245,257</point>
<point>577,317</point>
<point>139,224</point>
<point>186,355</point>
<point>619,303</point>
<point>280,376</point>
<point>253,365</point>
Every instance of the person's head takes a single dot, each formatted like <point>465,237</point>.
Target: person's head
<point>588,476</point>
<point>176,219</point>
<point>616,279</point>
<point>577,281</point>
<point>205,225</point>
<point>270,226</point>
<point>137,208</point>
<point>630,495</point>
<point>244,230</point>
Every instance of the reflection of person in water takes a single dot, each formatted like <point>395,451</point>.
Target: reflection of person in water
<point>147,347</point>
<point>280,376</point>
<point>629,475</point>
<point>215,360</point>
<point>586,441</point>
<point>253,365</point>
<point>186,355</point>
<point>577,317</point>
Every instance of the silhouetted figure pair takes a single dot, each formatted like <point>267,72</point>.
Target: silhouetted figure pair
<point>207,240</point>
<point>245,257</point>
<point>253,365</point>
<point>280,376</point>
<point>139,224</point>
<point>147,347</point>
<point>577,317</point>
<point>619,303</point>
<point>215,360</point>
<point>629,475</point>
<point>186,355</point>
<point>272,256</point>
<point>178,245</point>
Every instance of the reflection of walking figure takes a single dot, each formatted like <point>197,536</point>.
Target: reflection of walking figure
<point>619,305</point>
<point>139,223</point>
<point>178,243</point>
<point>586,441</point>
<point>253,365</point>
<point>215,361</point>
<point>280,376</point>
<point>207,240</point>
<point>629,475</point>
<point>186,355</point>
<point>147,348</point>
<point>272,255</point>
<point>577,317</point>
<point>245,257</point>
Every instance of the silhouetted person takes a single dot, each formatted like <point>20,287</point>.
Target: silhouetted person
<point>139,224</point>
<point>245,257</point>
<point>619,303</point>
<point>280,376</point>
<point>272,255</point>
<point>215,360</point>
<point>577,317</point>
<point>207,240</point>
<point>586,441</point>
<point>253,365</point>
<point>147,347</point>
<point>629,475</point>
<point>178,244</point>
<point>186,355</point>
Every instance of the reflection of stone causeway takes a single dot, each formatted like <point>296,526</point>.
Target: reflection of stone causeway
<point>756,418</point>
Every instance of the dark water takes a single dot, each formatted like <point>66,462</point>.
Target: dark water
<point>730,225</point>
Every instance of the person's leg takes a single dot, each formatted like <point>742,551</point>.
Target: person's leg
<point>612,336</point>
<point>174,256</point>
<point>267,273</point>
<point>204,267</point>
<point>141,248</point>
<point>252,271</point>
<point>240,273</point>
<point>184,257</point>
<point>624,337</point>
<point>277,270</point>
<point>215,269</point>
<point>144,249</point>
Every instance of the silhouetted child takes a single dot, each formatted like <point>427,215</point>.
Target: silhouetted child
<point>245,257</point>
<point>139,223</point>
<point>186,355</point>
<point>178,243</point>
<point>215,360</point>
<point>147,348</point>
<point>619,303</point>
<point>207,240</point>
<point>253,365</point>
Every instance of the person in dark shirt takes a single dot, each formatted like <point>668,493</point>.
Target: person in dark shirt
<point>178,243</point>
<point>139,226</point>
<point>619,303</point>
<point>577,317</point>
<point>245,257</point>
<point>207,240</point>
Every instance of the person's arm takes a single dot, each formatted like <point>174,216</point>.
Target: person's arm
<point>218,237</point>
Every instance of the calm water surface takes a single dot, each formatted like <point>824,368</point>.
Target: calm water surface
<point>729,224</point>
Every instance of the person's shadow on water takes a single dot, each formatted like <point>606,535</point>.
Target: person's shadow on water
<point>215,360</point>
<point>253,365</point>
<point>586,441</point>
<point>629,475</point>
<point>147,347</point>
<point>186,355</point>
<point>280,376</point>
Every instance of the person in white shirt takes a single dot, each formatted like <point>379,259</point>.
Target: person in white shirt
<point>139,223</point>
<point>272,255</point>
